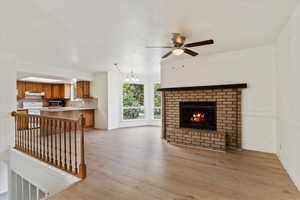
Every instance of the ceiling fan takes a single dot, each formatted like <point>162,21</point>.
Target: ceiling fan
<point>179,46</point>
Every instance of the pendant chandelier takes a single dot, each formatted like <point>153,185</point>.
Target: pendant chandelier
<point>132,77</point>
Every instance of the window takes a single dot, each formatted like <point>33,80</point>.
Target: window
<point>157,102</point>
<point>133,101</point>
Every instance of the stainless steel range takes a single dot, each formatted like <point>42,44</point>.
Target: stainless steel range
<point>33,102</point>
<point>34,107</point>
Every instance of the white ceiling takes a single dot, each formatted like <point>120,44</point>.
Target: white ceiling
<point>91,35</point>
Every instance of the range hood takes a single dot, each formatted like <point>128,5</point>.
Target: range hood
<point>34,94</point>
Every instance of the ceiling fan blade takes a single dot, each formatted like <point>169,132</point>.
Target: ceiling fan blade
<point>190,52</point>
<point>168,54</point>
<point>161,47</point>
<point>202,43</point>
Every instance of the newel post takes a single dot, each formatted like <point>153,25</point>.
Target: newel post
<point>82,165</point>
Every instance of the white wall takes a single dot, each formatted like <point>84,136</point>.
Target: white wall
<point>100,91</point>
<point>7,101</point>
<point>3,177</point>
<point>253,66</point>
<point>114,99</point>
<point>288,104</point>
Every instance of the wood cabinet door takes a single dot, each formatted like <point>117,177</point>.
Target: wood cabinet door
<point>86,89</point>
<point>29,87</point>
<point>67,91</point>
<point>79,89</point>
<point>47,88</point>
<point>56,91</point>
<point>33,87</point>
<point>83,89</point>
<point>21,89</point>
<point>61,91</point>
<point>89,118</point>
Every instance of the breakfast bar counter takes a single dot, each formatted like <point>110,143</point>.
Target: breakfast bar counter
<point>72,112</point>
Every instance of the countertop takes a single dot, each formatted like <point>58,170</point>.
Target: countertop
<point>63,109</point>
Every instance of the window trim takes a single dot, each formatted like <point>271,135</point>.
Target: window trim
<point>122,99</point>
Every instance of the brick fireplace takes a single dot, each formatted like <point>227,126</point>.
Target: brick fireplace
<point>204,116</point>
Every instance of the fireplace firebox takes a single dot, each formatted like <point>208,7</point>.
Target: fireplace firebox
<point>198,115</point>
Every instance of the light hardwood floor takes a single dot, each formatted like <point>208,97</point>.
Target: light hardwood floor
<point>135,164</point>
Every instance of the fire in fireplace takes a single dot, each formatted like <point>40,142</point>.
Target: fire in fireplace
<point>199,115</point>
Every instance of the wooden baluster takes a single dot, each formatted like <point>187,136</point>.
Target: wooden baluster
<point>26,134</point>
<point>30,135</point>
<point>44,138</point>
<point>55,135</point>
<point>41,136</point>
<point>82,166</point>
<point>20,131</point>
<point>33,136</point>
<point>16,131</point>
<point>70,146</point>
<point>36,137</point>
<point>60,149</point>
<point>19,121</point>
<point>65,144</point>
<point>47,137</point>
<point>51,141</point>
<point>75,150</point>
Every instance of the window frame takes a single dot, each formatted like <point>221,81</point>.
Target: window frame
<point>122,102</point>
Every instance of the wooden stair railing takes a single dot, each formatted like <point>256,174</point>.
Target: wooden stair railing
<point>55,141</point>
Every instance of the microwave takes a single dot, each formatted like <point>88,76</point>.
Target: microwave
<point>56,103</point>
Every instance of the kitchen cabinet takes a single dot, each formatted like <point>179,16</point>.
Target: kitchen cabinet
<point>83,89</point>
<point>61,91</point>
<point>33,87</point>
<point>47,89</point>
<point>67,91</point>
<point>56,91</point>
<point>52,91</point>
<point>21,89</point>
<point>89,118</point>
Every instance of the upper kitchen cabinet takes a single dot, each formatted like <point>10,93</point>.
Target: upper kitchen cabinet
<point>52,91</point>
<point>21,89</point>
<point>56,91</point>
<point>83,89</point>
<point>61,91</point>
<point>33,87</point>
<point>47,88</point>
<point>67,91</point>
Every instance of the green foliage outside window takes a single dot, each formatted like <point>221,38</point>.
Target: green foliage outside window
<point>157,101</point>
<point>133,101</point>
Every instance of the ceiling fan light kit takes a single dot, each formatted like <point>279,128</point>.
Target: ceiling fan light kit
<point>177,51</point>
<point>179,47</point>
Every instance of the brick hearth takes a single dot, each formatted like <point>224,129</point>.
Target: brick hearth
<point>228,133</point>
